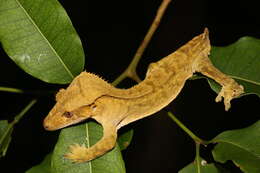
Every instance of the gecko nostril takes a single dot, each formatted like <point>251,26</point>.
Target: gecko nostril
<point>46,127</point>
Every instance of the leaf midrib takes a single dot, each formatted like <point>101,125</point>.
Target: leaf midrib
<point>88,145</point>
<point>246,80</point>
<point>46,40</point>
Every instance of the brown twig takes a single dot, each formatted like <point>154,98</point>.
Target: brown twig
<point>131,69</point>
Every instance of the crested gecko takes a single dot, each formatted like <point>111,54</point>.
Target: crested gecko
<point>89,96</point>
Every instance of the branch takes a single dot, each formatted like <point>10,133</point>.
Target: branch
<point>17,118</point>
<point>12,90</point>
<point>188,131</point>
<point>23,112</point>
<point>131,69</point>
<point>198,157</point>
<point>30,92</point>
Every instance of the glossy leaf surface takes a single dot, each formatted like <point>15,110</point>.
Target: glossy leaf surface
<point>39,37</point>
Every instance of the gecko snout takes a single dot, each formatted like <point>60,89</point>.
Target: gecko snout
<point>46,127</point>
<point>51,123</point>
<point>46,124</point>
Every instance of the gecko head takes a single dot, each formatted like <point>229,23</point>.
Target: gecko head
<point>59,117</point>
<point>72,105</point>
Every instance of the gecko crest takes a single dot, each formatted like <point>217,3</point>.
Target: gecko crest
<point>89,96</point>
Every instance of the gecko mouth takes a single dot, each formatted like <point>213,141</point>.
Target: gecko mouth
<point>51,125</point>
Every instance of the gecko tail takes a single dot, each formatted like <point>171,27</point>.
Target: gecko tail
<point>80,153</point>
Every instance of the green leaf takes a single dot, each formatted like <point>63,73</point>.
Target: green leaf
<point>39,37</point>
<point>5,136</point>
<point>124,139</point>
<point>43,167</point>
<point>199,168</point>
<point>241,61</point>
<point>241,146</point>
<point>89,134</point>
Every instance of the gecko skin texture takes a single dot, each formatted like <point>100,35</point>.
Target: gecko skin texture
<point>89,96</point>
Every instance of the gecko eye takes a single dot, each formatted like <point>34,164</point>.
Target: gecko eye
<point>67,114</point>
<point>93,107</point>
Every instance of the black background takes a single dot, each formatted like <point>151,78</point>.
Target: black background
<point>111,32</point>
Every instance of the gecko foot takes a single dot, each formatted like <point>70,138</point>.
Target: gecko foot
<point>78,153</point>
<point>228,92</point>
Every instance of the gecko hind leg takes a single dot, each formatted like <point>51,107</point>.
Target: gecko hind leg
<point>80,153</point>
<point>230,88</point>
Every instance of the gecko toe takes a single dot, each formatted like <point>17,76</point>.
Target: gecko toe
<point>77,153</point>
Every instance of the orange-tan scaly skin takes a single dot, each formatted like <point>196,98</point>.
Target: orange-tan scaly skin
<point>88,96</point>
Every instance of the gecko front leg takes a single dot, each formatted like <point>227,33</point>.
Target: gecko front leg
<point>230,88</point>
<point>108,111</point>
<point>80,153</point>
